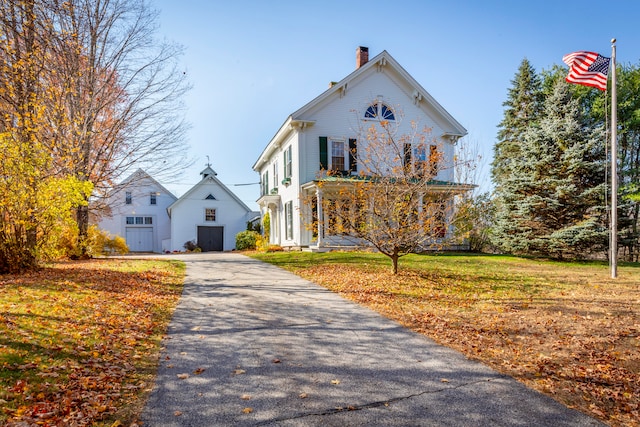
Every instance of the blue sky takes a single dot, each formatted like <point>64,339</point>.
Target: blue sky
<point>252,63</point>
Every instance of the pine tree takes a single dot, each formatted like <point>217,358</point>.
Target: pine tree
<point>522,109</point>
<point>552,201</point>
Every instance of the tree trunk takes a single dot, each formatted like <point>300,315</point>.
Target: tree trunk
<point>394,259</point>
<point>82,218</point>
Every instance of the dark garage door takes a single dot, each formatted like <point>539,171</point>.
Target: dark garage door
<point>210,238</point>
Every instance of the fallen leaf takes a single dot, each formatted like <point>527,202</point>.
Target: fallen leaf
<point>245,397</point>
<point>177,413</point>
<point>335,381</point>
<point>239,372</point>
<point>199,371</point>
<point>444,380</point>
<point>276,360</point>
<point>247,410</point>
<point>183,376</point>
<point>303,395</point>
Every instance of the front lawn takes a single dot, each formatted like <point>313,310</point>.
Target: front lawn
<point>79,341</point>
<point>565,329</point>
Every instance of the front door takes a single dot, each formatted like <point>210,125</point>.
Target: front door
<point>210,238</point>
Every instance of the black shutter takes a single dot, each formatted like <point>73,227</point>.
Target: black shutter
<point>353,157</point>
<point>324,156</point>
<point>407,155</point>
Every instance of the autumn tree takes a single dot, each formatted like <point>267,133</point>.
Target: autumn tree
<point>118,97</point>
<point>22,50</point>
<point>474,212</point>
<point>395,202</point>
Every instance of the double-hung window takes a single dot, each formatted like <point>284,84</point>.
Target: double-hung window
<point>264,183</point>
<point>153,198</point>
<point>275,174</point>
<point>127,197</point>
<point>210,214</point>
<point>422,161</point>
<point>288,218</point>
<point>337,155</point>
<point>287,163</point>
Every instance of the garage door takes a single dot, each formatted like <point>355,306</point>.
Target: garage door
<point>210,238</point>
<point>140,239</point>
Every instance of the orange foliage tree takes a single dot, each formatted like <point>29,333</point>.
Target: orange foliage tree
<point>395,202</point>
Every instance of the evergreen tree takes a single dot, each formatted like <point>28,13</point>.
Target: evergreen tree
<point>552,200</point>
<point>629,161</point>
<point>522,109</point>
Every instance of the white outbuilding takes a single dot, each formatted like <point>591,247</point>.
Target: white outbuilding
<point>209,215</point>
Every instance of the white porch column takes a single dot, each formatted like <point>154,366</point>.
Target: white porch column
<point>320,217</point>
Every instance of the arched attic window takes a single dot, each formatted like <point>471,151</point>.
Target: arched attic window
<point>380,111</point>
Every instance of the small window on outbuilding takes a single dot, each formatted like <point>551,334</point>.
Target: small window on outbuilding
<point>210,197</point>
<point>153,198</point>
<point>210,214</point>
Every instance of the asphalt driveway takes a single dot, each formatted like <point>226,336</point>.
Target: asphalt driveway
<point>253,345</point>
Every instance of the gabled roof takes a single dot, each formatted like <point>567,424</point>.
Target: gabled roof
<point>208,179</point>
<point>138,176</point>
<point>383,59</point>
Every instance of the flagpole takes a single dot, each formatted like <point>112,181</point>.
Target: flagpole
<point>613,244</point>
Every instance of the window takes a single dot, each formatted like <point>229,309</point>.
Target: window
<point>127,197</point>
<point>275,174</point>
<point>139,220</point>
<point>153,198</point>
<point>264,184</point>
<point>210,197</point>
<point>420,160</point>
<point>288,218</point>
<point>435,213</point>
<point>209,214</point>
<point>337,155</point>
<point>287,162</point>
<point>379,111</point>
<point>423,163</point>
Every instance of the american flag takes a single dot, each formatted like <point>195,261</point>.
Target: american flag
<point>587,68</point>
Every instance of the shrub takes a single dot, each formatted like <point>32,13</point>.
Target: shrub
<point>247,240</point>
<point>97,242</point>
<point>115,245</point>
<point>191,246</point>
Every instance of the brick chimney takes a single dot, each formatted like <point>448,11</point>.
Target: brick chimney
<point>362,56</point>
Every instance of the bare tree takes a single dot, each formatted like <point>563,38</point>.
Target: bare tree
<point>118,99</point>
<point>474,211</point>
<point>395,202</point>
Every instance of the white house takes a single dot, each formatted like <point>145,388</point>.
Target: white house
<point>209,215</point>
<point>138,212</point>
<point>321,136</point>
